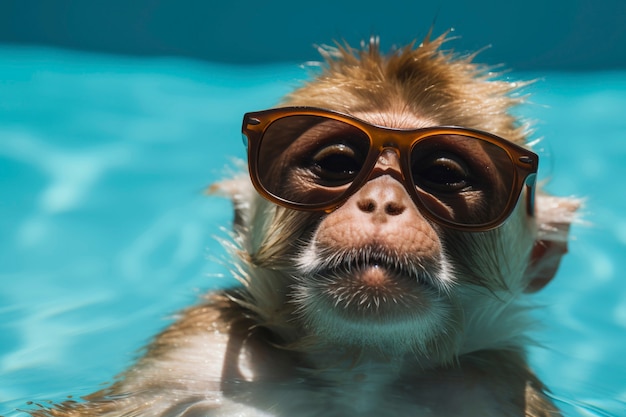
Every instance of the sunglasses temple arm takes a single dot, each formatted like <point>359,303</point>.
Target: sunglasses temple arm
<point>531,182</point>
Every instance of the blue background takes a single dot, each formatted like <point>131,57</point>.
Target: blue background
<point>525,34</point>
<point>104,227</point>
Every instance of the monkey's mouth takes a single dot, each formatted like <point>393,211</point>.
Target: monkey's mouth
<point>362,286</point>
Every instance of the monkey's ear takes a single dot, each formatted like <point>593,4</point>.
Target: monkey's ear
<point>545,259</point>
<point>554,217</point>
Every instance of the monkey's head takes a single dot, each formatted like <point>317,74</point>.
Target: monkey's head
<point>394,208</point>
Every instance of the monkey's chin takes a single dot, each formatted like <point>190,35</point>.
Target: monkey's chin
<point>374,306</point>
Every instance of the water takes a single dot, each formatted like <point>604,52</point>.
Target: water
<point>105,230</point>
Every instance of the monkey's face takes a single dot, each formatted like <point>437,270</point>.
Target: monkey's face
<point>374,273</point>
<point>397,213</point>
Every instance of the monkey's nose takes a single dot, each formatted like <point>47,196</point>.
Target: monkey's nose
<point>381,197</point>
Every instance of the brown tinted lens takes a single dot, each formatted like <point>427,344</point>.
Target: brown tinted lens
<point>462,179</point>
<point>310,160</point>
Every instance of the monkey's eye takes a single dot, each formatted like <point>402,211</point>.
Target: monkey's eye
<point>336,164</point>
<point>441,172</point>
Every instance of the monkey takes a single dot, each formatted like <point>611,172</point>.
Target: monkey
<point>386,238</point>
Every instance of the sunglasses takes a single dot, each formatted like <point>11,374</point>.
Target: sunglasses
<point>314,159</point>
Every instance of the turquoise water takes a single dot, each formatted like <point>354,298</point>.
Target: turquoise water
<point>105,231</point>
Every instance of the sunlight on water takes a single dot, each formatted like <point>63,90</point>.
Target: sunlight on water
<point>107,231</point>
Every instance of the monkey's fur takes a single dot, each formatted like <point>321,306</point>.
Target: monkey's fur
<point>273,347</point>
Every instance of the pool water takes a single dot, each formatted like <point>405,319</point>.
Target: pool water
<point>106,231</point>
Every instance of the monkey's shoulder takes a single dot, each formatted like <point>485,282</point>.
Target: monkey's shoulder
<point>214,362</point>
<point>183,367</point>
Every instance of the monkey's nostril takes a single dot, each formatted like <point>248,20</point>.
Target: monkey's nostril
<point>367,206</point>
<point>394,209</point>
<point>390,208</point>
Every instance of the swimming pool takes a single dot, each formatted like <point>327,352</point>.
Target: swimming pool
<point>106,231</point>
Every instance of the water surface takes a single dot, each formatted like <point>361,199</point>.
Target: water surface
<point>106,232</point>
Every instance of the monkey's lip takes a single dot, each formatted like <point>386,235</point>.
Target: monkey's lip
<point>375,273</point>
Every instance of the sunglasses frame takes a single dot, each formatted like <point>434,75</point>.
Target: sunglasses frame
<point>524,161</point>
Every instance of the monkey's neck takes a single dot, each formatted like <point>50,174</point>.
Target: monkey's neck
<point>369,371</point>
<point>340,363</point>
<point>344,370</point>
